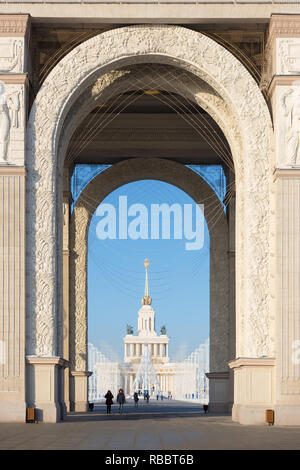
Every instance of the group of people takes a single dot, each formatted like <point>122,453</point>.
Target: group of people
<point>109,400</point>
<point>120,400</point>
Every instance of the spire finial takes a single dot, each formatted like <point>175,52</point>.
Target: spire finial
<point>146,300</point>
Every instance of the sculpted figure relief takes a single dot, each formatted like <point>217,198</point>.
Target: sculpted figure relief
<point>13,103</point>
<point>4,124</point>
<point>291,105</point>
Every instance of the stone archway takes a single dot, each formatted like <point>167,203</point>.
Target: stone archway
<point>249,134</point>
<point>177,174</point>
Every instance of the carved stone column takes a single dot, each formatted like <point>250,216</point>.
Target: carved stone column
<point>13,98</point>
<point>78,309</point>
<point>219,319</point>
<point>232,291</point>
<point>67,198</point>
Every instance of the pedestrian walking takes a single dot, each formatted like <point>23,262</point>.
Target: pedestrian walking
<point>121,400</point>
<point>147,397</point>
<point>136,399</point>
<point>109,401</point>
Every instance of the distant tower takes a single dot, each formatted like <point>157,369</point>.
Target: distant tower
<point>146,335</point>
<point>146,321</point>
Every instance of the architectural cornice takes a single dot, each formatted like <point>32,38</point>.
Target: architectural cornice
<point>281,80</point>
<point>14,78</point>
<point>289,173</point>
<point>283,26</point>
<point>12,170</point>
<point>251,362</point>
<point>14,25</point>
<point>56,361</point>
<point>83,373</point>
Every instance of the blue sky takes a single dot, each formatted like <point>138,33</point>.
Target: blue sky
<point>178,280</point>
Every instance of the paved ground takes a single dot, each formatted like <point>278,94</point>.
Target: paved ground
<point>168,425</point>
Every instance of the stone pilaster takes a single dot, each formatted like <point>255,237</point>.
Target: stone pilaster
<point>14,35</point>
<point>287,405</point>
<point>284,94</point>
<point>12,293</point>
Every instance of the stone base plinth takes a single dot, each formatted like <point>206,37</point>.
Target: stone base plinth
<point>12,411</point>
<point>79,390</point>
<point>253,389</point>
<point>219,400</point>
<point>250,414</point>
<point>45,387</point>
<point>287,415</point>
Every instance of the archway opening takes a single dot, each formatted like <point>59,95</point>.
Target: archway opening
<point>145,122</point>
<point>177,330</point>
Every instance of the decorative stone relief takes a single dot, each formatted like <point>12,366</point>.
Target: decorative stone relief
<point>12,124</point>
<point>185,49</point>
<point>11,55</point>
<point>4,125</point>
<point>14,25</point>
<point>288,56</point>
<point>287,125</point>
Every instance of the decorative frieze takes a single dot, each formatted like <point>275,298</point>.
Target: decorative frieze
<point>14,25</point>
<point>287,56</point>
<point>11,55</point>
<point>284,26</point>
<point>282,53</point>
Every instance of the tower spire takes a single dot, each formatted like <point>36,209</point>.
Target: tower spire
<point>146,300</point>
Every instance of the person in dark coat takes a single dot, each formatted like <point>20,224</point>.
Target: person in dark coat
<point>136,399</point>
<point>109,401</point>
<point>121,400</point>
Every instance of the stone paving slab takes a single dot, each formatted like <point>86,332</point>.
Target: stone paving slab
<point>167,426</point>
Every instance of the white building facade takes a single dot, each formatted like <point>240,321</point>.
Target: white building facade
<point>180,380</point>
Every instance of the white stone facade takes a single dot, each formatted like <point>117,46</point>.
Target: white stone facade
<point>265,150</point>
